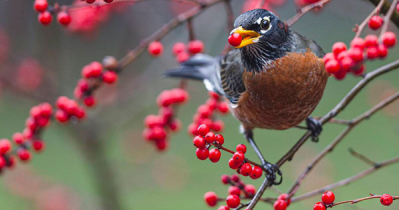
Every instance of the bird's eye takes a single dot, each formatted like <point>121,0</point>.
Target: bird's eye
<point>265,24</point>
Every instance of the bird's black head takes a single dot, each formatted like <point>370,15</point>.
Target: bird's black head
<point>265,38</point>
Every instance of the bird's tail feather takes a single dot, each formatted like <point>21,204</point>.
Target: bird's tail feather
<point>185,72</point>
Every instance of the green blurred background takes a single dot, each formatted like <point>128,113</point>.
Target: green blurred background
<point>103,163</point>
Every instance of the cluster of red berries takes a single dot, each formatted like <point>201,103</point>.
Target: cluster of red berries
<point>235,191</point>
<point>92,75</point>
<point>327,199</point>
<point>179,49</point>
<point>157,125</point>
<point>237,162</point>
<point>341,61</point>
<point>205,114</point>
<point>203,142</point>
<point>45,16</point>
<point>68,109</point>
<point>92,1</point>
<point>282,202</point>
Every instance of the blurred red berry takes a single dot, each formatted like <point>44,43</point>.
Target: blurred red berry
<point>214,155</point>
<point>203,129</point>
<point>90,1</point>
<point>155,49</point>
<point>223,208</point>
<point>178,47</point>
<point>233,201</point>
<point>347,63</point>
<point>175,125</point>
<point>64,18</point>
<point>389,39</point>
<point>338,47</point>
<point>280,205</point>
<point>223,107</point>
<point>108,1</point>
<point>359,70</point>
<point>249,190</point>
<point>202,153</point>
<point>235,178</point>
<point>241,148</point>
<point>2,162</point>
<point>61,116</point>
<point>386,199</point>
<point>40,5</point>
<point>235,39</point>
<point>284,197</point>
<point>356,54</point>
<point>340,75</point>
<point>45,18</point>
<point>246,169</point>
<point>196,46</point>
<point>18,138</point>
<point>46,109</point>
<point>5,146</point>
<point>328,197</point>
<point>24,154</point>
<point>225,179</point>
<point>211,198</point>
<point>319,206</point>
<point>327,57</point>
<point>332,66</point>
<point>234,190</point>
<point>110,77</point>
<point>372,53</point>
<point>96,68</point>
<point>182,57</point>
<point>358,43</point>
<point>204,111</point>
<point>256,172</point>
<point>38,145</point>
<point>371,40</point>
<point>161,144</point>
<point>382,51</point>
<point>375,22</point>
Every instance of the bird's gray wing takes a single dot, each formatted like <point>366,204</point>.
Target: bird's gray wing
<point>231,75</point>
<point>302,44</point>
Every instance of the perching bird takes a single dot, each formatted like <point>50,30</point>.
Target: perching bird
<point>274,79</point>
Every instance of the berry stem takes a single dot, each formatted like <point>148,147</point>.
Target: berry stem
<point>358,200</point>
<point>302,11</point>
<point>387,18</point>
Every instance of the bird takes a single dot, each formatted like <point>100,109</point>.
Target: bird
<point>274,79</point>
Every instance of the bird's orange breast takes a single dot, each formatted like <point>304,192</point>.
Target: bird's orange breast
<point>283,94</point>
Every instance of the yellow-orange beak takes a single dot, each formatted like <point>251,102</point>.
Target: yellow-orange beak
<point>248,36</point>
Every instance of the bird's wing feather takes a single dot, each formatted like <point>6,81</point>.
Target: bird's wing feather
<point>303,44</point>
<point>231,73</point>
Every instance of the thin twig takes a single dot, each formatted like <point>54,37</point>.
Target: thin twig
<point>362,157</point>
<point>346,181</point>
<point>363,25</point>
<point>387,18</point>
<point>305,10</point>
<point>359,200</point>
<point>384,10</point>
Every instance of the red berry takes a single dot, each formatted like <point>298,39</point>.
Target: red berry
<point>204,111</point>
<point>382,51</point>
<point>5,146</point>
<point>64,18</point>
<point>196,46</point>
<point>18,138</point>
<point>203,129</point>
<point>61,116</point>
<point>225,179</point>
<point>246,169</point>
<point>182,57</point>
<point>80,113</point>
<point>90,101</point>
<point>214,155</point>
<point>233,201</point>
<point>31,124</point>
<point>356,54</point>
<point>108,1</point>
<point>386,199</point>
<point>358,43</point>
<point>234,190</point>
<point>223,208</point>
<point>249,190</point>
<point>256,172</point>
<point>211,198</point>
<point>284,197</point>
<point>35,112</point>
<point>46,109</point>
<point>175,125</point>
<point>235,178</point>
<point>347,63</point>
<point>24,154</point>
<point>235,39</point>
<point>210,137</point>
<point>233,164</point>
<point>2,162</point>
<point>158,133</point>
<point>202,153</point>
<point>328,197</point>
<point>38,145</point>
<point>372,53</point>
<point>40,5</point>
<point>359,71</point>
<point>199,142</point>
<point>340,75</point>
<point>192,129</point>
<point>241,148</point>
<point>90,1</point>
<point>178,47</point>
<point>161,144</point>
<point>375,22</point>
<point>153,121</point>
<point>45,18</point>
<point>110,77</point>
<point>219,139</point>
<point>332,66</point>
<point>155,49</point>
<point>238,157</point>
<point>338,47</point>
<point>319,206</point>
<point>327,57</point>
<point>217,125</point>
<point>223,107</point>
<point>96,69</point>
<point>214,95</point>
<point>280,205</point>
<point>371,40</point>
<point>389,39</point>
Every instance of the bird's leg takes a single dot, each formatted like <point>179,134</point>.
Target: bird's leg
<point>271,169</point>
<point>315,127</point>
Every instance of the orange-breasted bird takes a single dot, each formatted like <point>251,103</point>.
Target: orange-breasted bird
<point>274,79</point>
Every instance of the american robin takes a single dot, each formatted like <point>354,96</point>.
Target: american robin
<point>274,79</point>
